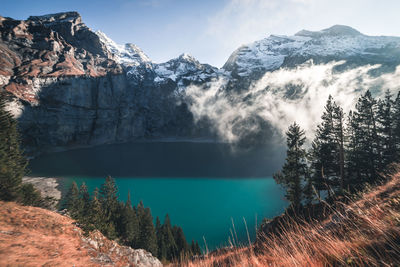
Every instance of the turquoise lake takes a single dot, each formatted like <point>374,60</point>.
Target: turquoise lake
<point>202,186</point>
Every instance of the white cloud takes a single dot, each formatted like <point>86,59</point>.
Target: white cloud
<point>267,97</point>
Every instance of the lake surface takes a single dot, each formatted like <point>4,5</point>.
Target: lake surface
<point>202,186</point>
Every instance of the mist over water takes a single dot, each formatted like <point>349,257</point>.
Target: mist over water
<point>286,95</point>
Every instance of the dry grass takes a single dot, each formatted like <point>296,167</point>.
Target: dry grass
<point>31,236</point>
<point>365,232</point>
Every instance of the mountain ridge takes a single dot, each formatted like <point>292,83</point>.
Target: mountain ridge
<point>71,87</point>
<point>335,43</point>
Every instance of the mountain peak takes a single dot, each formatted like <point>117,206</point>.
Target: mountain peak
<point>341,30</point>
<point>62,16</point>
<point>129,53</point>
<point>335,30</point>
<point>187,57</point>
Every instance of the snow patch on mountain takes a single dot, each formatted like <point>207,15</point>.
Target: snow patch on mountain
<point>182,70</point>
<point>184,67</point>
<point>268,54</point>
<point>128,54</point>
<point>338,41</point>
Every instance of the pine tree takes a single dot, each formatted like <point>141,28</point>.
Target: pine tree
<point>316,167</point>
<point>130,224</point>
<point>72,202</point>
<point>110,204</point>
<point>180,241</point>
<point>12,162</point>
<point>140,211</point>
<point>147,236</point>
<point>353,151</point>
<point>162,248</point>
<point>339,133</point>
<point>366,148</point>
<point>84,201</point>
<point>168,239</point>
<point>385,129</point>
<point>308,190</point>
<point>327,154</point>
<point>108,197</point>
<point>396,127</point>
<point>369,160</point>
<point>96,215</point>
<point>31,197</point>
<point>294,170</point>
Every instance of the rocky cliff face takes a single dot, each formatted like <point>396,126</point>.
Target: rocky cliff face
<point>73,87</point>
<point>46,47</point>
<point>70,86</point>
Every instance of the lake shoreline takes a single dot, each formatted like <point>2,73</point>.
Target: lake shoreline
<point>47,186</point>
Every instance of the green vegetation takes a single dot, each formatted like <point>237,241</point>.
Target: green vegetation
<point>345,154</point>
<point>294,170</point>
<point>129,225</point>
<point>13,164</point>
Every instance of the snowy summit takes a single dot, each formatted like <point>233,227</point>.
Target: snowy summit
<point>338,42</point>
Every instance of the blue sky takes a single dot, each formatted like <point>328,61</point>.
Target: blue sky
<point>211,30</point>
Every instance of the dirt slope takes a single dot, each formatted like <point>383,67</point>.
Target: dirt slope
<point>32,236</point>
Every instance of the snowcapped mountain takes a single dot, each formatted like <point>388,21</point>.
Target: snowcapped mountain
<point>335,43</point>
<point>183,70</point>
<point>70,86</point>
<point>249,62</point>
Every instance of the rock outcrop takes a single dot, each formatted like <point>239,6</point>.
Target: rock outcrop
<point>46,48</point>
<point>48,188</point>
<point>32,236</point>
<point>108,251</point>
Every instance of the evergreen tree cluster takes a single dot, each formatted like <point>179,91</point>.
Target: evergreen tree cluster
<point>13,164</point>
<point>346,153</point>
<point>130,225</point>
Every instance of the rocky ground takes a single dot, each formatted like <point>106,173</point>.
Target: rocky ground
<point>48,187</point>
<point>32,236</point>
